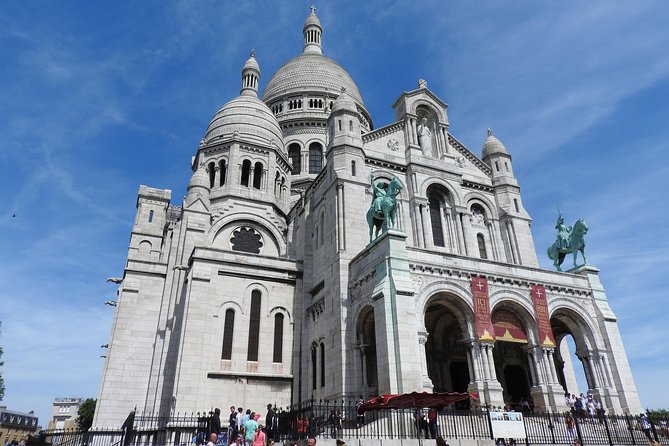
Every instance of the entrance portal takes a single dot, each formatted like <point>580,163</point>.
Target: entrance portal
<point>445,350</point>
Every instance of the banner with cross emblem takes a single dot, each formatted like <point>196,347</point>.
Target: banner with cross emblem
<point>484,327</point>
<point>541,310</point>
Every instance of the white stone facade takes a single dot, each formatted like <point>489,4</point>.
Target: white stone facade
<point>262,286</point>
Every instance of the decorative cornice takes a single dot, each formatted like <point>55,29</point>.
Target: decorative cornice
<point>316,309</point>
<point>383,131</point>
<point>385,164</point>
<point>478,186</point>
<point>469,155</point>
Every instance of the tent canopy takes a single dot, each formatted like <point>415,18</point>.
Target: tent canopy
<point>414,400</point>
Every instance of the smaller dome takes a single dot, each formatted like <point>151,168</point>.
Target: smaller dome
<point>492,146</point>
<point>344,102</point>
<point>247,118</point>
<point>199,179</point>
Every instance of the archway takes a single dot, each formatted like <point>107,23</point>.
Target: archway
<point>446,347</point>
<point>570,328</point>
<point>366,334</point>
<point>511,361</point>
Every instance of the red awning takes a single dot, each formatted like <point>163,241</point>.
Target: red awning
<point>414,400</point>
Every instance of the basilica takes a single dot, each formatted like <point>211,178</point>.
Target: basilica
<point>269,282</point>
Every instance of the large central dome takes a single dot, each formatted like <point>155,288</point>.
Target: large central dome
<point>311,72</point>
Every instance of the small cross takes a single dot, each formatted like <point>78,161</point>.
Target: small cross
<point>313,9</point>
<point>539,293</point>
<point>479,285</point>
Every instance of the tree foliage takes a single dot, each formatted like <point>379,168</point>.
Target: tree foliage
<point>659,414</point>
<point>85,414</point>
<point>2,380</point>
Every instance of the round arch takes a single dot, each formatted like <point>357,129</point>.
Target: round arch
<point>220,226</point>
<point>453,191</point>
<point>488,206</point>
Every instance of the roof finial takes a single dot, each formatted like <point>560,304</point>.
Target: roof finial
<point>253,53</point>
<point>489,132</point>
<point>313,9</point>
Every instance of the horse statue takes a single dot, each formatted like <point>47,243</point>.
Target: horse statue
<point>569,240</point>
<point>383,209</point>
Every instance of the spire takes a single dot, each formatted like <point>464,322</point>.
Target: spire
<point>312,34</point>
<point>250,76</point>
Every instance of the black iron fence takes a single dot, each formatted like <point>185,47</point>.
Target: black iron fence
<point>328,419</point>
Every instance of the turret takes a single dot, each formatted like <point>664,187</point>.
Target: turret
<point>344,122</point>
<point>198,186</point>
<point>495,155</point>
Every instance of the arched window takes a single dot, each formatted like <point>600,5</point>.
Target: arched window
<point>277,185</point>
<point>150,215</point>
<point>278,338</point>
<point>254,327</point>
<point>322,364</point>
<point>482,251</point>
<point>435,219</point>
<point>353,168</point>
<point>314,371</point>
<point>211,169</point>
<point>283,186</point>
<point>223,167</point>
<point>228,331</point>
<point>246,173</point>
<point>257,175</point>
<point>315,157</point>
<point>296,157</point>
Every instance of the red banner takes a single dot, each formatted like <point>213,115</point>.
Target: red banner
<point>541,310</point>
<point>484,327</point>
<point>508,327</point>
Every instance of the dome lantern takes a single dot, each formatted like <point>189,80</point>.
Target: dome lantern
<point>250,76</point>
<point>312,34</point>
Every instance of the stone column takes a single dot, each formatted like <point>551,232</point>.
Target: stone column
<point>444,228</point>
<point>427,226</point>
<point>455,216</point>
<point>341,227</point>
<point>418,224</point>
<point>509,238</point>
<point>414,132</point>
<point>468,233</point>
<point>422,340</point>
<point>407,126</point>
<point>493,242</point>
<point>217,176</point>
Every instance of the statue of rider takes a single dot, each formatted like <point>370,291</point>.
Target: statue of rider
<point>378,194</point>
<point>564,232</point>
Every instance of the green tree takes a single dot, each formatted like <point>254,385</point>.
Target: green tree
<point>85,414</point>
<point>2,380</point>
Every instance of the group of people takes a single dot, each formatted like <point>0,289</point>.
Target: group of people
<point>244,428</point>
<point>583,406</point>
<point>426,424</point>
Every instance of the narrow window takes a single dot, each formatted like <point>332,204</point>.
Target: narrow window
<point>223,167</point>
<point>278,338</point>
<point>515,203</point>
<point>315,157</point>
<point>353,168</point>
<point>322,226</point>
<point>506,166</point>
<point>212,174</point>
<point>254,327</point>
<point>497,166</point>
<point>228,330</point>
<point>294,153</point>
<point>482,251</point>
<point>322,364</point>
<point>150,216</point>
<point>257,175</point>
<point>246,172</point>
<point>435,219</point>
<point>314,371</point>
<point>339,122</point>
<point>350,126</point>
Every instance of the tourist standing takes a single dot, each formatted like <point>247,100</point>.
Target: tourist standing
<point>432,415</point>
<point>232,425</point>
<point>259,438</point>
<point>645,425</point>
<point>571,425</point>
<point>215,425</point>
<point>270,423</point>
<point>250,428</point>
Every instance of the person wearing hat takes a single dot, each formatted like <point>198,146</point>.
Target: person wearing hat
<point>645,425</point>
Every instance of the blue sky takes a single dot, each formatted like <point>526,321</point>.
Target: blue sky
<point>100,97</point>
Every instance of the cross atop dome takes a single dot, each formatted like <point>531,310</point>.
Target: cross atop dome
<point>312,34</point>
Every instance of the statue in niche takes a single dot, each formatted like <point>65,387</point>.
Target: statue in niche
<point>425,137</point>
<point>478,218</point>
<point>570,240</point>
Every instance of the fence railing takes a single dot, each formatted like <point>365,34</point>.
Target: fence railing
<point>341,420</point>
